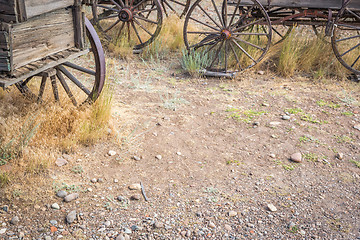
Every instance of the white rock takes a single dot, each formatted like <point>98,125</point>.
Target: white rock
<point>2,231</point>
<point>296,157</point>
<point>275,123</point>
<point>55,206</point>
<point>178,153</point>
<point>357,127</point>
<point>158,157</point>
<point>116,180</point>
<point>111,153</point>
<point>232,214</point>
<point>271,207</point>
<point>135,186</point>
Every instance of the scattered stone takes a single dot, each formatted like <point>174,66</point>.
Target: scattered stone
<point>127,231</point>
<point>340,156</point>
<point>47,238</point>
<point>55,206</point>
<point>15,220</point>
<point>272,155</point>
<point>212,225</point>
<point>232,214</point>
<point>111,153</point>
<point>291,225</point>
<point>158,225</point>
<point>261,72</point>
<point>61,162</point>
<point>89,189</point>
<point>178,153</point>
<point>285,117</point>
<point>135,197</point>
<point>302,232</point>
<point>71,197</point>
<point>296,157</point>
<point>271,207</point>
<point>100,180</point>
<point>107,223</point>
<point>275,123</point>
<point>70,218</point>
<point>61,194</point>
<point>256,123</point>
<point>265,104</point>
<point>53,222</point>
<point>227,227</point>
<point>94,180</point>
<point>136,158</point>
<point>116,180</point>
<point>135,228</point>
<point>158,157</point>
<point>357,127</point>
<point>2,231</point>
<point>135,186</point>
<point>120,237</point>
<point>121,199</point>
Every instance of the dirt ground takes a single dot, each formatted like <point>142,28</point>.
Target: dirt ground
<point>213,156</point>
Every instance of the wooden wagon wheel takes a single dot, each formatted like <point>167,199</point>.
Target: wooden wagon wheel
<point>177,7</point>
<point>345,40</point>
<point>81,79</point>
<point>136,21</point>
<point>223,33</point>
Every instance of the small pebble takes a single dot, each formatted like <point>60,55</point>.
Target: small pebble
<point>271,207</point>
<point>61,162</point>
<point>53,222</point>
<point>158,157</point>
<point>178,153</point>
<point>158,225</point>
<point>61,194</point>
<point>212,225</point>
<point>296,157</point>
<point>127,231</point>
<point>135,197</point>
<point>340,156</point>
<point>70,218</point>
<point>111,153</point>
<point>135,186</point>
<point>275,123</point>
<point>302,232</point>
<point>94,180</point>
<point>261,72</point>
<point>71,197</point>
<point>116,180</point>
<point>15,220</point>
<point>120,237</point>
<point>357,127</point>
<point>100,180</point>
<point>47,238</point>
<point>136,158</point>
<point>227,227</point>
<point>285,117</point>
<point>232,214</point>
<point>55,206</point>
<point>272,155</point>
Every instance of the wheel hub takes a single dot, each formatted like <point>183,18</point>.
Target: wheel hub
<point>225,34</point>
<point>125,15</point>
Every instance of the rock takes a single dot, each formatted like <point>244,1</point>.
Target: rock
<point>111,153</point>
<point>357,127</point>
<point>212,225</point>
<point>285,117</point>
<point>135,186</point>
<point>136,158</point>
<point>70,218</point>
<point>121,199</point>
<point>127,231</point>
<point>272,155</point>
<point>47,238</point>
<point>116,180</point>
<point>89,189</point>
<point>261,72</point>
<point>135,197</point>
<point>2,231</point>
<point>158,157</point>
<point>232,214</point>
<point>265,104</point>
<point>158,225</point>
<point>107,224</point>
<point>256,123</point>
<point>227,227</point>
<point>100,180</point>
<point>55,206</point>
<point>15,220</point>
<point>340,156</point>
<point>71,197</point>
<point>61,162</point>
<point>302,232</point>
<point>271,207</point>
<point>61,194</point>
<point>134,228</point>
<point>94,180</point>
<point>296,157</point>
<point>120,237</point>
<point>53,222</point>
<point>274,123</point>
<point>178,153</point>
<point>291,225</point>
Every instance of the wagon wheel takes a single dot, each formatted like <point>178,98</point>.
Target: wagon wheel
<point>346,40</point>
<point>280,33</point>
<point>136,21</point>
<point>80,80</point>
<point>177,7</point>
<point>224,34</point>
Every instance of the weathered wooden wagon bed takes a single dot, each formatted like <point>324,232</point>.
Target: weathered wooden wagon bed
<point>50,39</point>
<point>234,35</point>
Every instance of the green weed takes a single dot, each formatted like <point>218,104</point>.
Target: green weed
<point>322,103</point>
<point>293,110</point>
<point>172,101</point>
<point>312,157</point>
<point>4,178</point>
<point>347,113</point>
<point>245,116</point>
<point>195,61</point>
<point>357,163</point>
<point>77,169</point>
<point>311,119</point>
<point>343,139</point>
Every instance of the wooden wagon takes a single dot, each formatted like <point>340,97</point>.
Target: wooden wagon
<point>236,34</point>
<point>43,40</point>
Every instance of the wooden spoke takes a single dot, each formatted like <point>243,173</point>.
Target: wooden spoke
<point>356,60</point>
<point>112,25</point>
<point>250,34</point>
<point>66,87</point>
<point>236,56</point>
<point>357,45</point>
<point>347,38</point>
<point>74,79</point>
<point>218,14</point>
<point>81,69</point>
<point>147,10</point>
<point>249,43</point>
<point>120,5</point>
<point>208,33</point>
<point>140,25</point>
<point>217,54</point>
<point>145,19</point>
<point>233,15</point>
<point>42,88</point>
<point>205,24</point>
<point>136,32</point>
<point>54,88</point>
<point>243,50</point>
<point>248,25</point>
<point>209,17</point>
<point>204,42</point>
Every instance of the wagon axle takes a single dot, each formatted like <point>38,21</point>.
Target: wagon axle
<point>125,15</point>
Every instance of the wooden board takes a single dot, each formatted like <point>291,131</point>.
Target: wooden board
<point>8,11</point>
<point>5,62</point>
<point>319,4</point>
<point>38,7</point>
<point>42,36</point>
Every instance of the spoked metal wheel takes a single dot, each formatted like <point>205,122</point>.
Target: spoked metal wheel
<point>177,7</point>
<point>136,21</point>
<point>229,36</point>
<point>80,80</point>
<point>346,40</point>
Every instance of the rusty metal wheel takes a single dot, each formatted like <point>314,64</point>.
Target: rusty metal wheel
<point>346,40</point>
<point>137,21</point>
<point>229,36</point>
<point>177,7</point>
<point>79,80</point>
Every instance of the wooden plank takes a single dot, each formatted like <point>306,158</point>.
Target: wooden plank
<point>4,40</point>
<point>42,36</point>
<point>38,7</point>
<point>7,11</point>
